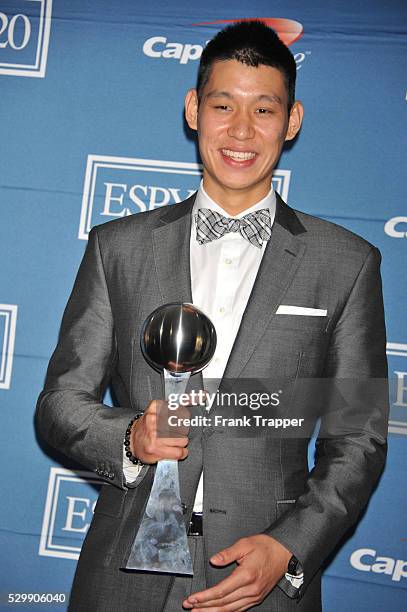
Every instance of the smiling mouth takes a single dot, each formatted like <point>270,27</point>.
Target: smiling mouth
<point>239,155</point>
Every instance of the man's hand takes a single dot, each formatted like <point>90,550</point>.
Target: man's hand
<point>261,560</point>
<point>152,439</point>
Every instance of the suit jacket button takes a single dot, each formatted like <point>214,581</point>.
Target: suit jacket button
<point>110,475</point>
<point>184,508</point>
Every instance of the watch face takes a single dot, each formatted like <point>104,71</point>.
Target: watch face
<point>293,566</point>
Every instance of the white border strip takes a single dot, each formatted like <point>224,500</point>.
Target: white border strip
<point>398,427</point>
<point>9,311</point>
<point>394,348</point>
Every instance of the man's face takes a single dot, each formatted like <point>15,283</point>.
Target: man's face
<point>242,123</point>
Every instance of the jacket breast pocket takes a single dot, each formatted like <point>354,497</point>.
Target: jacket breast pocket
<point>306,336</point>
<point>301,323</point>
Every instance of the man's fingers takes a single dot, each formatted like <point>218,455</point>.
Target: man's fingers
<point>161,433</point>
<point>221,590</point>
<point>173,423</point>
<point>181,442</point>
<point>233,553</point>
<point>246,592</point>
<point>174,452</point>
<point>154,407</point>
<point>167,448</point>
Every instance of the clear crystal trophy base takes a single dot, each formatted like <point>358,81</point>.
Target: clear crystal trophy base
<point>161,543</point>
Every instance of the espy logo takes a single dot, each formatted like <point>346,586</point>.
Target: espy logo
<point>159,47</point>
<point>24,38</point>
<point>121,186</point>
<point>68,512</point>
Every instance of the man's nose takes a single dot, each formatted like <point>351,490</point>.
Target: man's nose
<point>241,127</point>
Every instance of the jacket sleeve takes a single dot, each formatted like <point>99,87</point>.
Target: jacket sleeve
<point>70,414</point>
<point>348,465</point>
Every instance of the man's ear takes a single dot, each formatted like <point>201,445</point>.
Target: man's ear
<point>295,120</point>
<point>191,109</point>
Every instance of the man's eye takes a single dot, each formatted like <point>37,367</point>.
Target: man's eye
<point>223,107</point>
<point>263,111</point>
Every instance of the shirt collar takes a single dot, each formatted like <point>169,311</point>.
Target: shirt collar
<point>203,200</point>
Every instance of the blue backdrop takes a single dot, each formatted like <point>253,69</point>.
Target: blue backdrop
<point>92,129</point>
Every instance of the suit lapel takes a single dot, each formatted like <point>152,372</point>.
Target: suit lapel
<point>171,241</point>
<point>171,253</point>
<point>278,267</point>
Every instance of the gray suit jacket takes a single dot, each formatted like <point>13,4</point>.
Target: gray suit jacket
<point>251,485</point>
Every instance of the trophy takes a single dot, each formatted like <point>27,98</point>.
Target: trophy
<point>178,340</point>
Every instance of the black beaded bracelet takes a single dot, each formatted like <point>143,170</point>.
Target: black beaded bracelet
<point>126,442</point>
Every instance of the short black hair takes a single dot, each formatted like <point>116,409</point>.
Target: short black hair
<point>252,43</point>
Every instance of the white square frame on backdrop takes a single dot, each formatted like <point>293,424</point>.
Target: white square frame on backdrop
<point>38,67</point>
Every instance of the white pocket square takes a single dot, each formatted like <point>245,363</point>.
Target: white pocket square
<point>301,310</point>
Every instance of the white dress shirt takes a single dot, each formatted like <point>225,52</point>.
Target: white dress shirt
<point>222,276</point>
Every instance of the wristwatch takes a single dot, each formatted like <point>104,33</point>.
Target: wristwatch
<point>294,567</point>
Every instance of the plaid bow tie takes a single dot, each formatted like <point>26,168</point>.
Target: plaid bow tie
<point>255,227</point>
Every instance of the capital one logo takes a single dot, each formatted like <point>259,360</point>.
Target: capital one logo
<point>24,38</point>
<point>8,322</point>
<point>396,227</point>
<point>68,512</point>
<point>288,31</point>
<point>117,187</point>
<point>367,560</point>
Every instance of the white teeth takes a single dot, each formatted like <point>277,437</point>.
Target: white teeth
<point>238,154</point>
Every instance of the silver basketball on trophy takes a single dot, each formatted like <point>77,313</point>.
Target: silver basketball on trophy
<point>178,338</point>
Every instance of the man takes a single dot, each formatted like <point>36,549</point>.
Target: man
<point>290,295</point>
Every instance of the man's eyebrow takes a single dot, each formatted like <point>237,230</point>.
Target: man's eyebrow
<point>219,94</point>
<point>272,98</point>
